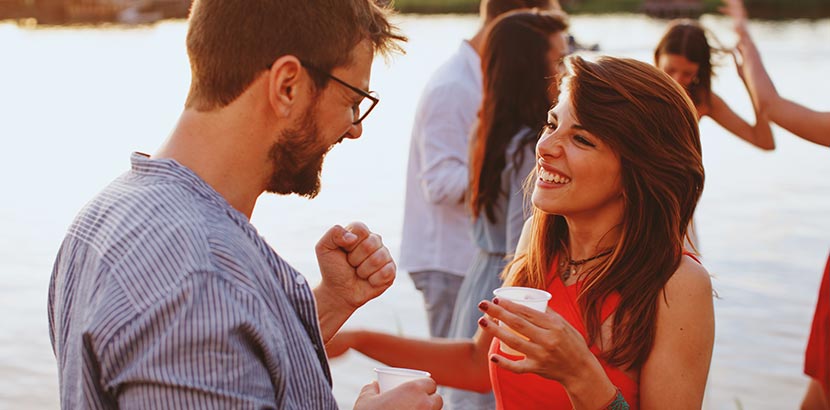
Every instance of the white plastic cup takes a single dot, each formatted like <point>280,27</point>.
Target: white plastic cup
<point>535,299</point>
<point>391,377</point>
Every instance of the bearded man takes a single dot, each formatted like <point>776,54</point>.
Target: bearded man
<point>163,295</point>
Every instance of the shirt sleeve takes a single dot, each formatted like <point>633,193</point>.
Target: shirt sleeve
<point>201,347</point>
<point>447,119</point>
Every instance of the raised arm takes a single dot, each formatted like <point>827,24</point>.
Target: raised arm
<point>356,267</point>
<point>455,363</point>
<point>759,134</point>
<point>674,375</point>
<point>814,126</point>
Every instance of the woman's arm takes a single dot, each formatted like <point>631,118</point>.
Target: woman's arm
<point>814,126</point>
<point>456,363</point>
<point>759,135</point>
<point>674,375</point>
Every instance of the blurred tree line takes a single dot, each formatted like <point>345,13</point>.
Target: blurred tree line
<point>760,9</point>
<point>130,11</point>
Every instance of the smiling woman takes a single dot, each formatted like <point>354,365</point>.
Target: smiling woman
<point>606,240</point>
<point>615,218</point>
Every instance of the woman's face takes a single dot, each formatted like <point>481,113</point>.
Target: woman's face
<point>679,68</point>
<point>577,174</point>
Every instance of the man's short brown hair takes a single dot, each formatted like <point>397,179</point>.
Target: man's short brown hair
<point>495,8</point>
<point>229,42</point>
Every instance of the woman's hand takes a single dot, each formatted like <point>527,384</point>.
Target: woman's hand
<point>736,10</point>
<point>553,349</point>
<point>738,57</point>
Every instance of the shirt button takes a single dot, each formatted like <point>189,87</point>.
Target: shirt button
<point>300,279</point>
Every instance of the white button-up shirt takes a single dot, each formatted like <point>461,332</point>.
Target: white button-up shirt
<point>437,224</point>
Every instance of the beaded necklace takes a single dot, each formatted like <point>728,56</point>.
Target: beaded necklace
<point>573,265</point>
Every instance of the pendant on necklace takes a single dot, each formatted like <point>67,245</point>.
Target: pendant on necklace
<point>567,273</point>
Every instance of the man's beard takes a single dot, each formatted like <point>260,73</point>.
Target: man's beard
<point>297,158</point>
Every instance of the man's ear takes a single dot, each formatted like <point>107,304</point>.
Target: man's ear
<point>283,84</point>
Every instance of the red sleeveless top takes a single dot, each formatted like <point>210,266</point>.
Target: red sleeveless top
<point>529,391</point>
<point>817,357</point>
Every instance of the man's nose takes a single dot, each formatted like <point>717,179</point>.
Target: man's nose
<point>355,131</point>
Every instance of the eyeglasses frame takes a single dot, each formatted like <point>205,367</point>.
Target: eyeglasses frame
<point>371,95</point>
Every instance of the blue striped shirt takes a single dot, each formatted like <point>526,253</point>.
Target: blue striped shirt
<point>164,296</point>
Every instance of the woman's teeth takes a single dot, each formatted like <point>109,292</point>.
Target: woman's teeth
<point>553,178</point>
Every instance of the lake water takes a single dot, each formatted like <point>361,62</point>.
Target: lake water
<point>74,102</point>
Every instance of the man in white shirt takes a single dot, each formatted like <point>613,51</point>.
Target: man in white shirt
<point>436,244</point>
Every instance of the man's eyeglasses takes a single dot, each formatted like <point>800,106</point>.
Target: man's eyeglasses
<point>360,109</point>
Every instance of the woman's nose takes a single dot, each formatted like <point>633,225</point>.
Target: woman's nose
<point>550,145</point>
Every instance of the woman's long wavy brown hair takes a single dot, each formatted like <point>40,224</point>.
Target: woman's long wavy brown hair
<point>516,77</point>
<point>650,122</point>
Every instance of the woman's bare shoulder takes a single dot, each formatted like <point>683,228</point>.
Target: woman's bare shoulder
<point>691,282</point>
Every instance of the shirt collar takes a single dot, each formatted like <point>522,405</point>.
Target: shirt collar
<point>171,170</point>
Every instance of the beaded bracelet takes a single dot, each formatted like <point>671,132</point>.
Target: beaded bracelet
<point>617,403</point>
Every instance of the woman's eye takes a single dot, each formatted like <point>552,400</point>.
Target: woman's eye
<point>549,126</point>
<point>580,139</point>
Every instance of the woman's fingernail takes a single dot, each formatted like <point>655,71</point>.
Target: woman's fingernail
<point>496,301</point>
<point>482,322</point>
<point>482,306</point>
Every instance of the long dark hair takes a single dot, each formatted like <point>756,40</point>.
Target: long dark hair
<point>650,122</point>
<point>689,39</point>
<point>516,80</point>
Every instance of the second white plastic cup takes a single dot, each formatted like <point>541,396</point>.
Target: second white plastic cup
<point>391,377</point>
<point>535,299</point>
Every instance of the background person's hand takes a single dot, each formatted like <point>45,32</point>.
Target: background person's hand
<point>738,57</point>
<point>736,10</point>
<point>418,394</point>
<point>354,264</point>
